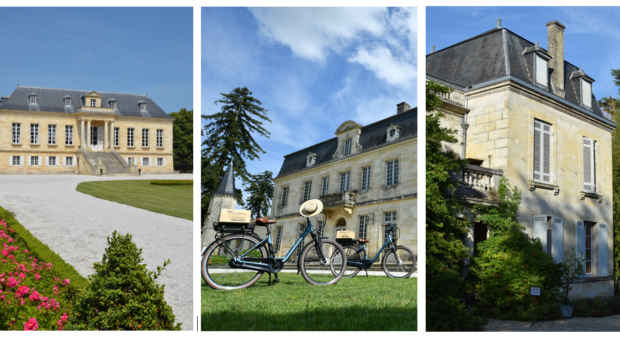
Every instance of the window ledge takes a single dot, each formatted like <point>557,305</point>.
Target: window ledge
<point>33,144</point>
<point>533,185</point>
<point>117,146</point>
<point>160,148</point>
<point>52,145</point>
<point>131,147</point>
<point>390,186</point>
<point>66,145</point>
<point>584,194</point>
<point>16,144</point>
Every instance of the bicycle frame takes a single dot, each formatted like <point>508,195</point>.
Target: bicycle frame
<point>366,263</point>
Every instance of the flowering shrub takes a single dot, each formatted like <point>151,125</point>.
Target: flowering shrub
<point>31,297</point>
<point>123,294</point>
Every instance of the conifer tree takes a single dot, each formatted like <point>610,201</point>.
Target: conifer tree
<point>260,192</point>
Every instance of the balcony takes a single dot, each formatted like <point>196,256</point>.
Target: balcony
<point>478,185</point>
<point>344,200</point>
<point>454,97</point>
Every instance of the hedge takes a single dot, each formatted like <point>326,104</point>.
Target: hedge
<point>173,182</point>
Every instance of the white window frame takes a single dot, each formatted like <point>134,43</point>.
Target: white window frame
<point>51,134</point>
<point>34,161</point>
<point>69,161</point>
<point>68,134</point>
<point>67,101</point>
<point>541,63</point>
<point>93,103</point>
<point>307,190</point>
<point>148,161</point>
<point>113,104</point>
<point>586,94</point>
<point>34,134</point>
<point>589,164</point>
<point>543,131</point>
<point>160,138</point>
<point>142,106</point>
<point>33,99</point>
<point>159,161</point>
<point>16,160</point>
<point>50,160</point>
<point>130,137</point>
<point>145,138</point>
<point>325,186</point>
<point>284,199</point>
<point>345,181</point>
<point>347,146</point>
<point>362,230</point>
<point>392,173</point>
<point>278,242</point>
<point>17,133</point>
<point>366,178</point>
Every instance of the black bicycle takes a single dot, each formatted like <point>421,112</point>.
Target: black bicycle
<point>398,261</point>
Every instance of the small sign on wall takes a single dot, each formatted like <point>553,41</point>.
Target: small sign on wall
<point>235,216</point>
<point>534,291</point>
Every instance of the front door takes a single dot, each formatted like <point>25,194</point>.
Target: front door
<point>96,138</point>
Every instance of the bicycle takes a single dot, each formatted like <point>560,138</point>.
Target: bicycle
<point>239,260</point>
<point>398,261</point>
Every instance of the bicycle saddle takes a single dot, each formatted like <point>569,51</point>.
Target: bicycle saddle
<point>361,240</point>
<point>265,221</point>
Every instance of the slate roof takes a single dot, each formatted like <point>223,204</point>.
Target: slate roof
<point>227,185</point>
<point>482,59</point>
<point>373,137</point>
<point>51,100</point>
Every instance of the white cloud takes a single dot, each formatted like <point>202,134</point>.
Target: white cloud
<point>312,32</point>
<point>380,61</point>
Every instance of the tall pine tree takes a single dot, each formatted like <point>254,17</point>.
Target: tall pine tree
<point>230,136</point>
<point>260,192</point>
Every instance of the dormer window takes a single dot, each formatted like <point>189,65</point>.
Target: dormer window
<point>586,94</point>
<point>32,98</point>
<point>67,101</point>
<point>310,159</point>
<point>393,133</point>
<point>539,59</point>
<point>142,105</point>
<point>112,103</point>
<point>583,86</point>
<point>347,147</point>
<point>542,71</point>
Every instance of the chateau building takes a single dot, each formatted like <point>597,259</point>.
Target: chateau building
<point>365,176</point>
<point>525,113</point>
<point>55,131</point>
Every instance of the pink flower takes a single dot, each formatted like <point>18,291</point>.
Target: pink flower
<point>5,253</point>
<point>64,317</point>
<point>55,290</point>
<point>37,276</point>
<point>56,278</point>
<point>11,282</point>
<point>21,291</point>
<point>22,275</point>
<point>34,296</point>
<point>26,251</point>
<point>31,325</point>
<point>66,282</point>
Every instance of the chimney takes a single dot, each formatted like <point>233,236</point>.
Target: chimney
<point>402,107</point>
<point>499,23</point>
<point>433,49</point>
<point>555,44</point>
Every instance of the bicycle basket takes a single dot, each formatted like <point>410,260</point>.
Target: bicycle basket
<point>232,228</point>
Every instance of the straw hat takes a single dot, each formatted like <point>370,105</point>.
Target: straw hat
<point>311,208</point>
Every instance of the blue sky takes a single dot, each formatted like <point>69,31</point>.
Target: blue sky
<point>312,68</point>
<point>126,50</point>
<point>591,38</point>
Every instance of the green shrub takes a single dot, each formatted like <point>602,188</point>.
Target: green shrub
<point>172,182</point>
<point>123,294</point>
<point>505,268</point>
<point>445,311</point>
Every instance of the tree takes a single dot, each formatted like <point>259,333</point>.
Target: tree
<point>445,252</point>
<point>183,140</point>
<point>230,136</point>
<point>260,192</point>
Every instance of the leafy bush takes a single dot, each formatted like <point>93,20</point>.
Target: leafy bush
<point>505,268</point>
<point>571,268</point>
<point>31,296</point>
<point>173,182</point>
<point>123,294</point>
<point>444,309</point>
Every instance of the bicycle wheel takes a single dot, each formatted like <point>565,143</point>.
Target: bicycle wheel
<point>399,264</point>
<point>216,271</point>
<point>324,270</point>
<point>350,253</point>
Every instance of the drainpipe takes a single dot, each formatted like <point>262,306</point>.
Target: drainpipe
<point>465,126</point>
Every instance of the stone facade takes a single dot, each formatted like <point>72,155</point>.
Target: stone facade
<point>60,137</point>
<point>369,199</point>
<point>501,119</point>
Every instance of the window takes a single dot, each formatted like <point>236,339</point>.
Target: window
<point>366,178</point>
<point>160,138</point>
<point>33,99</point>
<point>113,104</point>
<point>160,162</point>
<point>390,217</point>
<point>542,152</point>
<point>69,161</point>
<point>130,160</point>
<point>307,189</point>
<point>34,160</point>
<point>130,137</point>
<point>345,178</point>
<point>588,254</point>
<point>589,165</point>
<point>69,134</point>
<point>51,160</point>
<point>51,134</point>
<point>93,103</point>
<point>284,197</point>
<point>586,94</point>
<point>541,71</point>
<point>142,106</point>
<point>363,227</point>
<point>145,138</point>
<point>67,101</point>
<point>325,187</point>
<point>17,160</point>
<point>34,133</point>
<point>276,248</point>
<point>347,147</point>
<point>117,132</point>
<point>17,138</point>
<point>145,161</point>
<point>392,172</point>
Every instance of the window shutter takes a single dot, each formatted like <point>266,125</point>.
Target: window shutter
<point>546,134</point>
<point>164,161</point>
<point>150,164</point>
<point>602,249</point>
<point>588,157</point>
<point>29,160</point>
<point>21,160</point>
<point>127,160</point>
<point>557,234</point>
<point>10,160</point>
<point>537,150</point>
<point>580,234</point>
<point>40,161</point>
<point>540,230</point>
<point>541,71</point>
<point>47,161</point>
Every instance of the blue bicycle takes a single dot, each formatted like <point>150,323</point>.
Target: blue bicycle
<point>239,260</point>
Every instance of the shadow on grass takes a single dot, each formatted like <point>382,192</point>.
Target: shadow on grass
<point>314,318</point>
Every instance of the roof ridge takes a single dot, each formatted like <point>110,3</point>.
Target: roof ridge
<point>54,88</point>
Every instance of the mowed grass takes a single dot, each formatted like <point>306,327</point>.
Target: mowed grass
<point>168,200</point>
<point>374,303</point>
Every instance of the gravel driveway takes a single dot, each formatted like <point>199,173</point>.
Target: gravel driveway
<point>606,324</point>
<point>76,226</point>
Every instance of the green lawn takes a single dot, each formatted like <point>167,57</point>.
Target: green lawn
<point>168,200</point>
<point>374,303</point>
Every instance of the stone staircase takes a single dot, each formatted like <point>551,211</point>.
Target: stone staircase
<point>107,164</point>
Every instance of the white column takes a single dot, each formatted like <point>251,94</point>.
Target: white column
<point>82,140</point>
<point>88,132</point>
<point>105,135</point>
